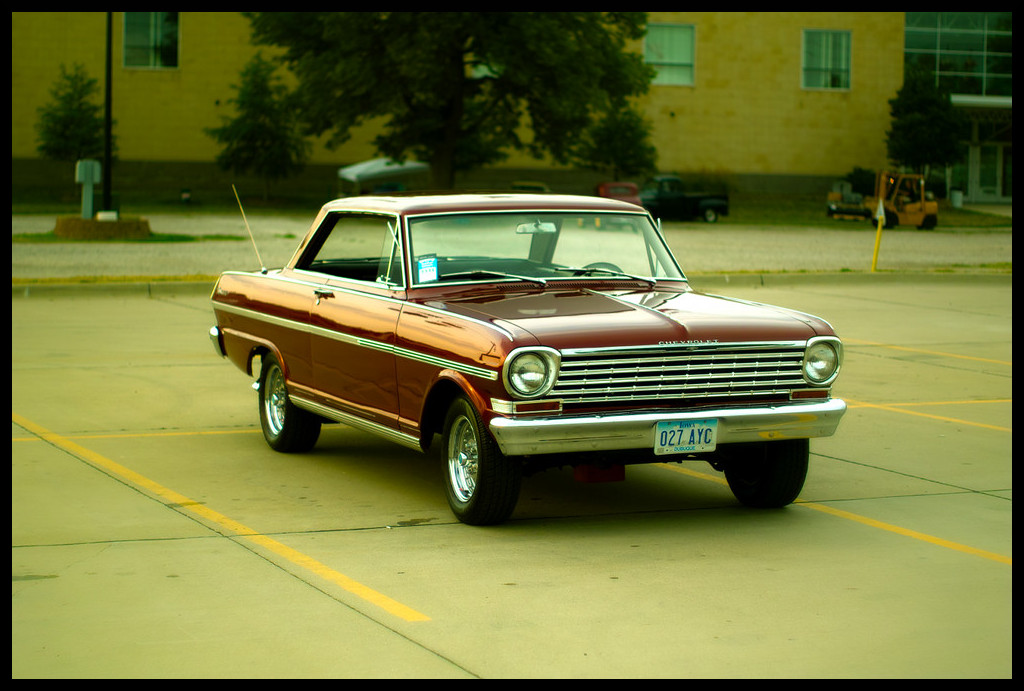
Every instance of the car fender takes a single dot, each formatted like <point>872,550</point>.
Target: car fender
<point>447,385</point>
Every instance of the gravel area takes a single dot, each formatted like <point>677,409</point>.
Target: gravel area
<point>700,248</point>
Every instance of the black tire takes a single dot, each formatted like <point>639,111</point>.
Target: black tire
<point>481,484</point>
<point>768,475</point>
<point>285,427</point>
<point>710,215</point>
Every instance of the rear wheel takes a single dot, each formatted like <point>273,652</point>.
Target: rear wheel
<point>768,474</point>
<point>285,427</point>
<point>710,215</point>
<point>481,483</point>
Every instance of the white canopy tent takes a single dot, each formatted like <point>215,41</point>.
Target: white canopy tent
<point>379,170</point>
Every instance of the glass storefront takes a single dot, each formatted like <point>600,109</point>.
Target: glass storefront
<point>971,55</point>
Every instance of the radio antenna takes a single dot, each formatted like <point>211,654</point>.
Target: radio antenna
<point>263,269</point>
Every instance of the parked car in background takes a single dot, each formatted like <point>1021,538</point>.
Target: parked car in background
<point>525,332</point>
<point>623,191</point>
<point>530,186</point>
<point>667,197</point>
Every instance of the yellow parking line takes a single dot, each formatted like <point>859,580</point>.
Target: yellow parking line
<point>979,400</point>
<point>142,435</point>
<point>185,504</point>
<point>694,473</point>
<point>855,341</point>
<point>906,532</point>
<point>368,594</point>
<point>897,409</point>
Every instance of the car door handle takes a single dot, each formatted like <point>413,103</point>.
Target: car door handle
<point>322,293</point>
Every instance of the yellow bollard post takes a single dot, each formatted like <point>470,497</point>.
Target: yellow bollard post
<point>880,215</point>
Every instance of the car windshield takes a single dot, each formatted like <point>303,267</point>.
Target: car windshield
<point>537,247</point>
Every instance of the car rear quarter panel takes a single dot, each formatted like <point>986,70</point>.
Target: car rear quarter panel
<point>259,311</point>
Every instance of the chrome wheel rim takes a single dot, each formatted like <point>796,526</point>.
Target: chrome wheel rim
<point>463,459</point>
<point>274,400</point>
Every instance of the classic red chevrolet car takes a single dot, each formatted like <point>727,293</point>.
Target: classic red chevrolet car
<point>527,331</point>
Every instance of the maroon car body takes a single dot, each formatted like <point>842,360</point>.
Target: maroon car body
<point>623,191</point>
<point>528,331</point>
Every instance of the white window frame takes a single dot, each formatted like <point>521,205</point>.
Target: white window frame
<point>672,69</point>
<point>152,47</point>
<point>830,64</point>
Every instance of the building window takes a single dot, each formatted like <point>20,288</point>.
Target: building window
<point>969,53</point>
<point>669,49</point>
<point>826,59</point>
<point>151,39</point>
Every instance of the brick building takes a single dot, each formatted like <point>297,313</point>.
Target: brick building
<point>762,100</point>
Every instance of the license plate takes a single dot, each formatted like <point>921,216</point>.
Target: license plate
<point>685,436</point>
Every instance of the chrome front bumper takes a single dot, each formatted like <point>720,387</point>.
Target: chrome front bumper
<point>527,436</point>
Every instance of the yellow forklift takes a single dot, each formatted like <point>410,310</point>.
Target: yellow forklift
<point>904,200</point>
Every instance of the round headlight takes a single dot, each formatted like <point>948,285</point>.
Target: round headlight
<point>531,373</point>
<point>821,361</point>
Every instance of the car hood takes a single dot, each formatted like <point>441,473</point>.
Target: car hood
<point>590,318</point>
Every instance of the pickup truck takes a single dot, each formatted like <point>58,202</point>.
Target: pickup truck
<point>665,196</point>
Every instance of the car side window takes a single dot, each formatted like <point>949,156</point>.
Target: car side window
<point>359,247</point>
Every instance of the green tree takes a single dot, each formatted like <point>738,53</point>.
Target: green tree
<point>459,90</point>
<point>264,138</point>
<point>927,129</point>
<point>619,145</point>
<point>70,127</point>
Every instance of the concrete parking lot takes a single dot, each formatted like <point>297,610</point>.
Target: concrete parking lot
<point>154,534</point>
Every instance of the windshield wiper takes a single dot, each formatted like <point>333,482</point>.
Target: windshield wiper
<point>484,273</point>
<point>587,270</point>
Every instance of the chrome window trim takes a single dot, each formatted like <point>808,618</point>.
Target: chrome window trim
<point>356,283</point>
<point>395,226</point>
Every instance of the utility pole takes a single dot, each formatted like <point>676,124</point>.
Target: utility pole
<point>107,116</point>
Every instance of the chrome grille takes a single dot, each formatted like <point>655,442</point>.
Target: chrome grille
<point>678,373</point>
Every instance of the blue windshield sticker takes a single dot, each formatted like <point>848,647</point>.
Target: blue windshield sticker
<point>426,268</point>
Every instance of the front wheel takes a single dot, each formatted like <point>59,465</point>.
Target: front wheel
<point>481,483</point>
<point>285,427</point>
<point>710,215</point>
<point>768,475</point>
